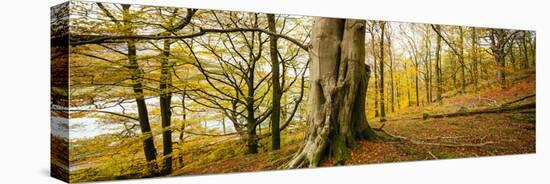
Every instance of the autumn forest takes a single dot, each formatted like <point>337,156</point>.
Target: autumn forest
<point>143,91</point>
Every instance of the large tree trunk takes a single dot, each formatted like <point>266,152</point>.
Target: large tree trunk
<point>276,114</point>
<point>165,102</point>
<point>338,81</point>
<point>137,79</point>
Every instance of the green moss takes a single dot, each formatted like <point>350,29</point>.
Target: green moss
<point>339,149</point>
<point>316,158</point>
<point>425,116</point>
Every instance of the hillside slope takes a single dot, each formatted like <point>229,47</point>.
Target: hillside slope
<point>487,134</point>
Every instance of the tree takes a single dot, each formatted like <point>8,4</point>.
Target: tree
<point>475,58</point>
<point>165,110</point>
<point>372,31</point>
<point>165,83</point>
<point>461,59</point>
<point>414,56</point>
<point>428,65</point>
<point>438,65</point>
<point>137,78</point>
<point>458,52</point>
<point>498,39</point>
<point>235,77</point>
<point>392,81</point>
<point>276,91</point>
<point>381,81</point>
<point>338,80</point>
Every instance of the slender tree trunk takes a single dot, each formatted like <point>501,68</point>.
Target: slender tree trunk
<point>381,82</point>
<point>461,59</point>
<point>416,83</point>
<point>512,56</point>
<point>533,46</point>
<point>165,102</point>
<point>498,42</point>
<point>392,92</point>
<point>223,124</point>
<point>276,114</point>
<point>373,43</point>
<point>474,59</point>
<point>408,85</point>
<point>525,51</point>
<point>438,66</point>
<point>453,70</point>
<point>182,129</point>
<point>338,78</point>
<point>252,138</point>
<point>137,79</point>
<point>398,93</point>
<point>501,71</point>
<point>428,66</point>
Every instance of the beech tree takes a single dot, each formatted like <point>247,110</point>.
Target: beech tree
<point>230,84</point>
<point>381,73</point>
<point>276,91</point>
<point>498,39</point>
<point>338,81</point>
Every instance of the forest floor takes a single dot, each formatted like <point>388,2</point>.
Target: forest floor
<point>487,134</point>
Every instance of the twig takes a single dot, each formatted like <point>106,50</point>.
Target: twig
<point>433,156</point>
<point>443,137</point>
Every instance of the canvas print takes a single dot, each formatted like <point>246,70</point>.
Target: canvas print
<point>146,91</point>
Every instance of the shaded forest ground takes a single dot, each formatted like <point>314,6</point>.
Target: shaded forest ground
<point>496,133</point>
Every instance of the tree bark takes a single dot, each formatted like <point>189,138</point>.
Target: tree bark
<point>276,92</point>
<point>392,92</point>
<point>427,67</point>
<point>137,79</point>
<point>376,114</point>
<point>462,61</point>
<point>474,58</point>
<point>252,137</point>
<point>165,102</point>
<point>381,81</point>
<point>338,81</point>
<point>438,66</point>
<point>182,128</point>
<point>525,51</point>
